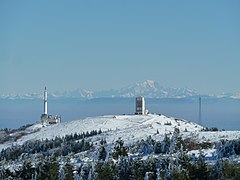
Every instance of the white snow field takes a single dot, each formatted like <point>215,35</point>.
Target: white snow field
<point>129,127</point>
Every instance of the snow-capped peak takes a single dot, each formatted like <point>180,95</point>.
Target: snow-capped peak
<point>147,88</point>
<point>148,83</point>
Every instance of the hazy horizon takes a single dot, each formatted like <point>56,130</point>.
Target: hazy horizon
<point>220,114</point>
<point>157,86</point>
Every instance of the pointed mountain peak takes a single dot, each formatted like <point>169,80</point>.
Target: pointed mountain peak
<point>148,84</point>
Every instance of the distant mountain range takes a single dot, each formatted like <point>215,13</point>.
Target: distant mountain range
<point>148,89</point>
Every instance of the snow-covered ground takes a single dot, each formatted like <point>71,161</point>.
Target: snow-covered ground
<point>129,127</point>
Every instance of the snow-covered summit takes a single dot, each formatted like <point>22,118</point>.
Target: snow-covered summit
<point>130,128</point>
<point>124,126</point>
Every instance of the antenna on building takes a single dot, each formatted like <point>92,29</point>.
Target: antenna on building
<point>200,111</point>
<point>45,117</point>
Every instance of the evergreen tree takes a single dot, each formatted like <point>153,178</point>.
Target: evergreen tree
<point>138,169</point>
<point>119,149</point>
<point>103,142</point>
<point>230,170</point>
<point>84,172</point>
<point>7,174</point>
<point>124,170</point>
<point>1,171</point>
<point>150,167</point>
<point>146,146</point>
<point>218,168</point>
<point>192,170</point>
<point>102,153</point>
<point>54,168</point>
<point>27,171</point>
<point>165,144</point>
<point>202,170</point>
<point>237,147</point>
<point>43,171</point>
<point>105,170</point>
<point>157,148</point>
<point>68,169</point>
<point>199,170</point>
<point>176,141</point>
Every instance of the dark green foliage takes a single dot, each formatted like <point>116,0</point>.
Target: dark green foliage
<point>43,171</point>
<point>231,171</point>
<point>237,147</point>
<point>157,148</point>
<point>54,168</point>
<point>217,169</point>
<point>205,145</point>
<point>198,170</point>
<point>179,175</point>
<point>102,153</point>
<point>58,146</point>
<point>192,144</point>
<point>68,169</point>
<point>105,170</point>
<point>27,171</point>
<point>103,142</point>
<point>6,174</point>
<point>202,170</point>
<point>138,170</point>
<point>151,167</point>
<point>124,170</point>
<point>85,172</point>
<point>119,149</point>
<point>165,144</point>
<point>151,159</point>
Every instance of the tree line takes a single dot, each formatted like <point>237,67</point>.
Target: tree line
<point>144,159</point>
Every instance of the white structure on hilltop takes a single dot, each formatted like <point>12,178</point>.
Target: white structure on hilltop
<point>45,101</point>
<point>45,117</point>
<point>140,106</point>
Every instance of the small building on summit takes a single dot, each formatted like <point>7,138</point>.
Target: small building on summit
<point>45,117</point>
<point>140,106</point>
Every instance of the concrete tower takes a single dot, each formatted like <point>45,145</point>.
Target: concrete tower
<point>140,105</point>
<point>45,101</point>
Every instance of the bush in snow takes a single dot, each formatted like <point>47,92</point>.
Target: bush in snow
<point>119,149</point>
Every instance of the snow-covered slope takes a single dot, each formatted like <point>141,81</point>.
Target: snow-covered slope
<point>129,127</point>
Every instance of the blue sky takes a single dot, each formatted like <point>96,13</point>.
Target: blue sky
<point>111,44</point>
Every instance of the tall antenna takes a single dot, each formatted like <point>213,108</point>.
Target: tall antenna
<point>200,112</point>
<point>45,100</point>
